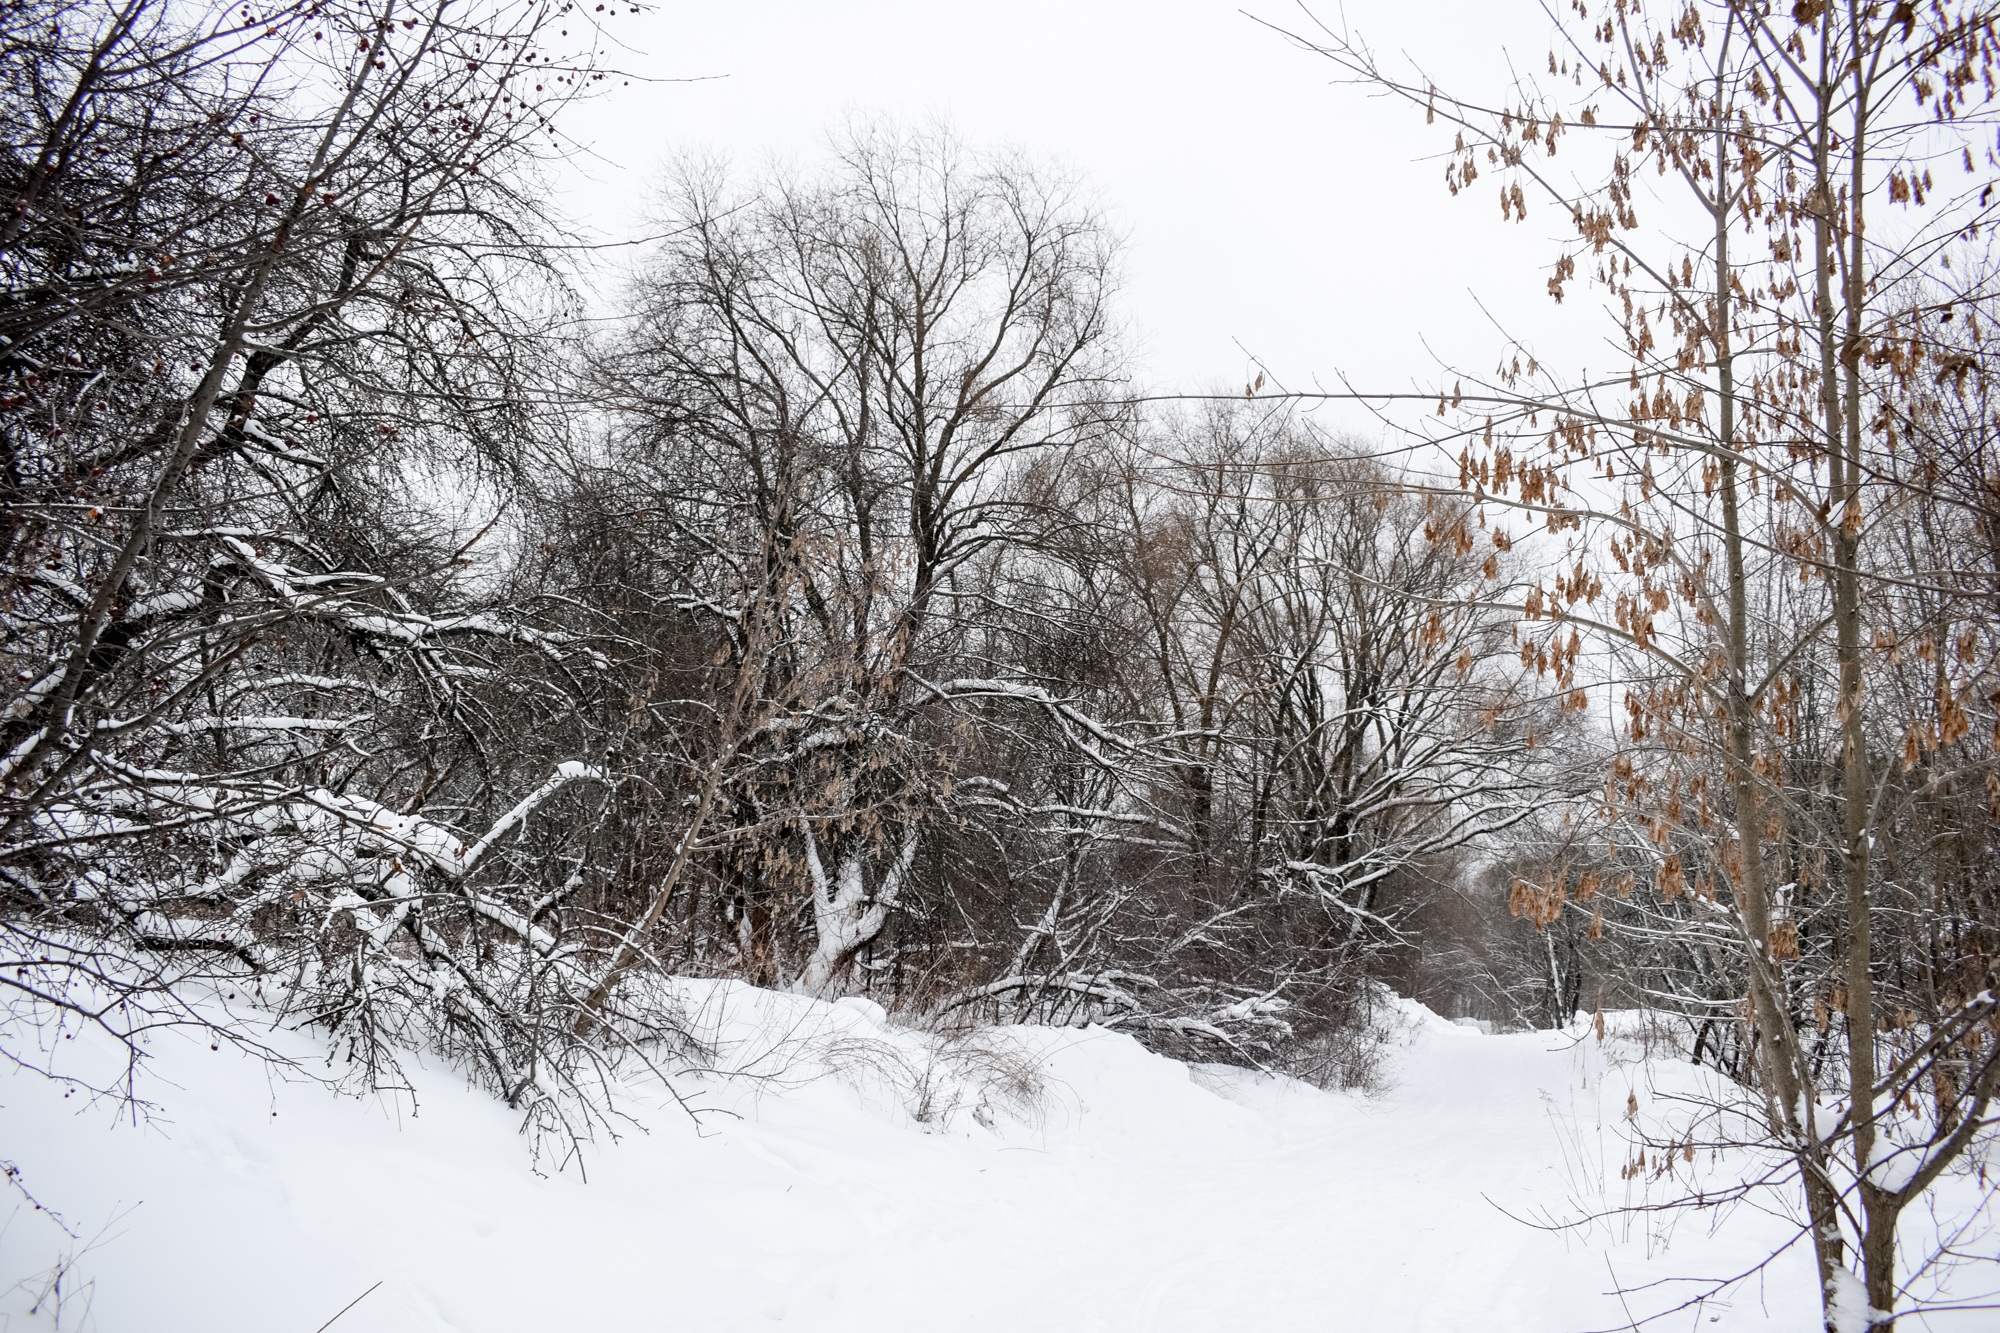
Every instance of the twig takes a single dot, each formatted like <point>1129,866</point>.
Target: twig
<point>345,1308</point>
<point>1619,1291</point>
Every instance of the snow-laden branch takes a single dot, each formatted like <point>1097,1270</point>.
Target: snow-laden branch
<point>443,849</point>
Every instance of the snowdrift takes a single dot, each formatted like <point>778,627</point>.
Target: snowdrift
<point>843,1173</point>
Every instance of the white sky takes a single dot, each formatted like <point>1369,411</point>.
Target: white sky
<point>1263,204</point>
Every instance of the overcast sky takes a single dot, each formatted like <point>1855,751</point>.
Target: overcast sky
<point>1266,207</point>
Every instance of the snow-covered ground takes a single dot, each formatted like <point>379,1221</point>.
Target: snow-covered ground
<point>1059,1180</point>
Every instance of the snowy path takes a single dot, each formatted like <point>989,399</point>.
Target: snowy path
<point>1138,1198</point>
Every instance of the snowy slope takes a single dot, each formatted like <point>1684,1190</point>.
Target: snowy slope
<point>1128,1192</point>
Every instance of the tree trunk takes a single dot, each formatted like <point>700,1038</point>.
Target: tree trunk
<point>845,914</point>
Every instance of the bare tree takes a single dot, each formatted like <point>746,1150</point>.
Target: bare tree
<point>277,287</point>
<point>1752,543</point>
<point>838,378</point>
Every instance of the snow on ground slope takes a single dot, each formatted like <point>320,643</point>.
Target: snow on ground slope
<point>1058,1180</point>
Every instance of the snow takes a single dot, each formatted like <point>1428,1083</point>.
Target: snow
<point>1849,1311</point>
<point>851,1174</point>
<point>1892,1166</point>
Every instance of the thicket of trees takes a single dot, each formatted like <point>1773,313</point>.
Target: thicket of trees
<point>845,617</point>
<point>276,289</point>
<point>992,692</point>
<point>386,651</point>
